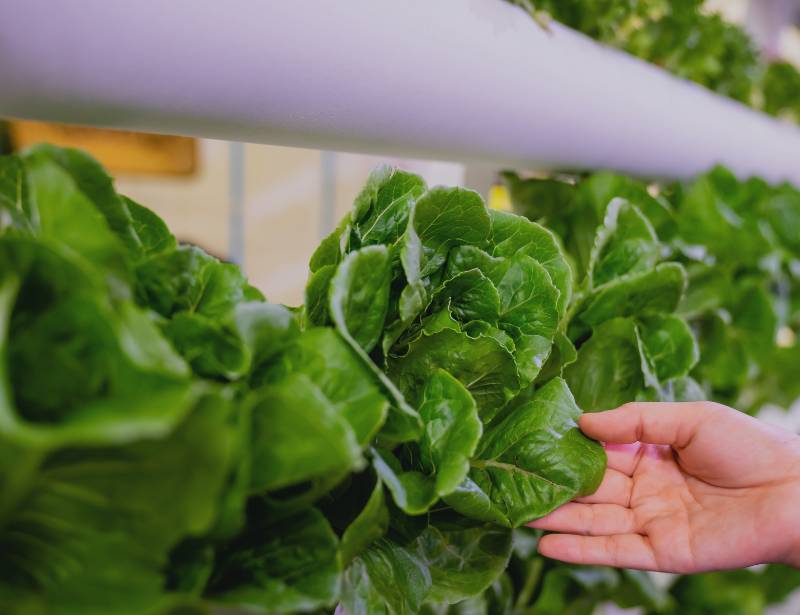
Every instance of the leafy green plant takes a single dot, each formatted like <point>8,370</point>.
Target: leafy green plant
<point>737,242</point>
<point>171,442</point>
<point>500,311</point>
<point>781,84</point>
<point>468,303</point>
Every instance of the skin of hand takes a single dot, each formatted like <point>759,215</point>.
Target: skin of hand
<point>689,487</point>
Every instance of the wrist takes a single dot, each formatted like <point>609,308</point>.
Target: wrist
<point>791,517</point>
<point>792,556</point>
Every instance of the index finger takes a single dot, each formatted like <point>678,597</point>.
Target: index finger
<point>669,423</point>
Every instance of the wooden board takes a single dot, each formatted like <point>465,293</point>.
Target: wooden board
<point>121,152</point>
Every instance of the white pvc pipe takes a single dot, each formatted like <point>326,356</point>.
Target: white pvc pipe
<point>468,80</point>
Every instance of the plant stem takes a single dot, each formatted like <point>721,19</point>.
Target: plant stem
<point>531,581</point>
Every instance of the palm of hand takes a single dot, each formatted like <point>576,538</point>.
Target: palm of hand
<point>707,501</point>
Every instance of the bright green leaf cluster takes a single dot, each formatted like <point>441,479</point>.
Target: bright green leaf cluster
<point>737,242</point>
<point>457,310</point>
<point>630,342</point>
<point>172,441</point>
<point>112,452</point>
<point>781,84</point>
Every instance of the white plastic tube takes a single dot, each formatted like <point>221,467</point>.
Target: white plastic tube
<point>467,80</point>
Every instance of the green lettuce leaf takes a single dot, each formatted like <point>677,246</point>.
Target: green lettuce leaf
<point>442,219</point>
<point>298,435</point>
<point>279,565</point>
<point>482,365</point>
<point>513,234</point>
<point>522,471</point>
<point>452,430</point>
<point>16,209</point>
<point>93,531</point>
<point>382,208</point>
<point>635,294</point>
<point>464,557</point>
<point>611,368</point>
<point>386,579</point>
<point>80,368</point>
<point>359,295</point>
<point>369,525</point>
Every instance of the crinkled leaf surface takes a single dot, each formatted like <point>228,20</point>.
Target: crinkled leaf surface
<point>669,344</point>
<point>470,295</point>
<point>654,291</point>
<point>387,579</point>
<point>279,565</point>
<point>151,231</point>
<point>189,280</point>
<point>381,210</point>
<point>359,295</point>
<point>463,556</point>
<point>531,462</point>
<point>528,299</point>
<point>513,234</point>
<point>481,364</point>
<point>452,430</point>
<point>625,243</point>
<point>442,219</point>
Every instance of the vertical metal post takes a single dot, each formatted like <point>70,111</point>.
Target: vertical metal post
<point>327,212</point>
<point>236,178</point>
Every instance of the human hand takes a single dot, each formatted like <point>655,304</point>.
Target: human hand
<point>689,487</point>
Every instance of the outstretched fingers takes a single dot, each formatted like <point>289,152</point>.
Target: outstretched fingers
<point>589,519</point>
<point>619,550</point>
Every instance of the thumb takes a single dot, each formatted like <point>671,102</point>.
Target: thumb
<point>651,422</point>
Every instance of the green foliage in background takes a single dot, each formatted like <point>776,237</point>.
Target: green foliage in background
<point>688,41</point>
<point>738,243</point>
